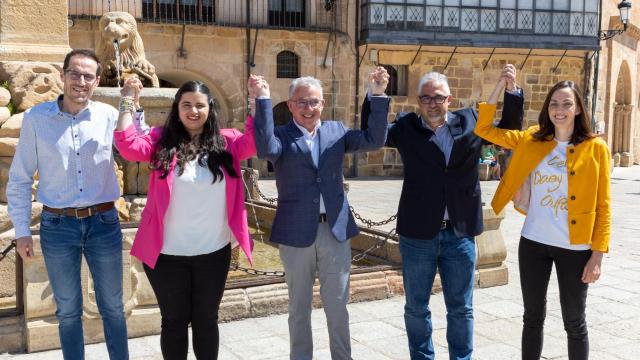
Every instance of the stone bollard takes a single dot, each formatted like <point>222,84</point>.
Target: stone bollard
<point>492,251</point>
<point>484,172</point>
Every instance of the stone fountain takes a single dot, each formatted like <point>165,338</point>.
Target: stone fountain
<point>32,325</point>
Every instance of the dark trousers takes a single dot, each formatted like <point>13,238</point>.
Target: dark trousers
<point>536,260</point>
<point>189,290</point>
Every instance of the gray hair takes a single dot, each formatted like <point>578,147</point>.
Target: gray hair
<point>435,77</point>
<point>305,81</point>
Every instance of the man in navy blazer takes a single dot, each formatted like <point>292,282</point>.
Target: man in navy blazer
<point>313,223</point>
<point>440,209</point>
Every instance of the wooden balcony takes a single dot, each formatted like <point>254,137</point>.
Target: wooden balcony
<point>548,24</point>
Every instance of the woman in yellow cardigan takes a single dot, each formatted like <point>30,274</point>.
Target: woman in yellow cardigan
<point>559,177</point>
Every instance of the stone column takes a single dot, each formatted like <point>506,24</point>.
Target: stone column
<point>625,155</point>
<point>618,116</point>
<point>34,30</point>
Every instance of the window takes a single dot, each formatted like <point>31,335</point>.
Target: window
<point>288,13</point>
<point>288,65</point>
<point>397,79</point>
<point>189,11</point>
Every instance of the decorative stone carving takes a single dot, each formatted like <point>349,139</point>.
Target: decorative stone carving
<point>5,114</point>
<point>11,128</point>
<point>32,83</point>
<point>122,27</point>
<point>5,96</point>
<point>8,147</point>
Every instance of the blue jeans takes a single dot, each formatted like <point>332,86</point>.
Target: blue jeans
<point>455,259</point>
<point>64,239</point>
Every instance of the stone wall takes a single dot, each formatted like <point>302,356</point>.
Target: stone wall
<point>470,82</point>
<point>218,56</point>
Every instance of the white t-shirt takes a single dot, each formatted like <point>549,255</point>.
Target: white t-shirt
<point>547,219</point>
<point>196,220</point>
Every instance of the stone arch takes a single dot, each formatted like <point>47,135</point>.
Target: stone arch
<point>179,77</point>
<point>621,125</point>
<point>281,114</point>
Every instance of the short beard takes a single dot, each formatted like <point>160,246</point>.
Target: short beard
<point>435,121</point>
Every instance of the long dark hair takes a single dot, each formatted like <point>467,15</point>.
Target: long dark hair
<point>176,141</point>
<point>582,123</point>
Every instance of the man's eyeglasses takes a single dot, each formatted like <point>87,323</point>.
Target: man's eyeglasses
<point>438,99</point>
<point>76,76</point>
<point>312,103</point>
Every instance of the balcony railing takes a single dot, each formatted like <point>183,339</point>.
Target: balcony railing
<point>277,14</point>
<point>481,22</point>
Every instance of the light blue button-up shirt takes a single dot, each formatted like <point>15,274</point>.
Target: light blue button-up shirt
<point>72,155</point>
<point>313,142</point>
<point>444,140</point>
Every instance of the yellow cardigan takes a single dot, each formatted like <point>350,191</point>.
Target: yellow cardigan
<point>588,168</point>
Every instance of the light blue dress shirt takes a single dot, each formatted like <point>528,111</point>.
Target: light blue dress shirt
<point>72,155</point>
<point>444,141</point>
<point>313,142</point>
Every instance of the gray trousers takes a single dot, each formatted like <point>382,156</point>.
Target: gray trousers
<point>332,261</point>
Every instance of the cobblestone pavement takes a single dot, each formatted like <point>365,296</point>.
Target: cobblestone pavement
<point>377,327</point>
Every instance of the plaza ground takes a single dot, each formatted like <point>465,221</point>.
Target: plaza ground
<point>377,327</point>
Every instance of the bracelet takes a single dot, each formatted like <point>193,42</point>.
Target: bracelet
<point>127,104</point>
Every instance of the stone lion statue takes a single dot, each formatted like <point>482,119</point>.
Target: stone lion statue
<point>122,27</point>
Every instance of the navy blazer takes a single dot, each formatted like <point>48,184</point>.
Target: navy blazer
<point>430,184</point>
<point>300,182</point>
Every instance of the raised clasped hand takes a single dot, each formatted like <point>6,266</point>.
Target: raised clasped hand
<point>508,76</point>
<point>258,86</point>
<point>132,88</point>
<point>378,80</point>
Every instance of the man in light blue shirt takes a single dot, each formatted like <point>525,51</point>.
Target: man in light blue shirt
<point>68,143</point>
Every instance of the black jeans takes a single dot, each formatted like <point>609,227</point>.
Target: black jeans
<point>536,260</point>
<point>189,290</point>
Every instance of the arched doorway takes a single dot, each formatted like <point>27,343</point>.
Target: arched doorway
<point>281,114</point>
<point>621,125</point>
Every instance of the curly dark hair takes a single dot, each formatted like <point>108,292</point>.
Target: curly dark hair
<point>208,147</point>
<point>582,123</point>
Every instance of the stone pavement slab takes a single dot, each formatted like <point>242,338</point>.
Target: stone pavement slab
<point>377,327</point>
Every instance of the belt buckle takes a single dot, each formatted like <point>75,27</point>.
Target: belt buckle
<point>82,209</point>
<point>443,225</point>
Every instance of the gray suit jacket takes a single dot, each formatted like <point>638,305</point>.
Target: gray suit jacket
<point>300,182</point>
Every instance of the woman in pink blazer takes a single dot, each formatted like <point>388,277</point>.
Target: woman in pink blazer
<point>194,214</point>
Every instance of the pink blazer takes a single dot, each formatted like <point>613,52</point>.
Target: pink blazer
<point>150,236</point>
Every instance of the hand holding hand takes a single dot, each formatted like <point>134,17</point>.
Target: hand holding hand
<point>592,269</point>
<point>508,75</point>
<point>378,81</point>
<point>132,88</point>
<point>24,247</point>
<point>258,86</point>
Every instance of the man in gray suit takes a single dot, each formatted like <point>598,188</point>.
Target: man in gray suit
<point>313,223</point>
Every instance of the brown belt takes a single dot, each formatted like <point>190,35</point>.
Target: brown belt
<point>81,212</point>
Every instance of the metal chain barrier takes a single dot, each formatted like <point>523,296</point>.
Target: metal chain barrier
<point>6,251</point>
<point>254,180</point>
<point>371,223</point>
<point>273,200</point>
<point>375,247</point>
<point>235,265</point>
<point>250,271</point>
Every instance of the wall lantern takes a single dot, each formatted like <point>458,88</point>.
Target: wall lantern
<point>624,8</point>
